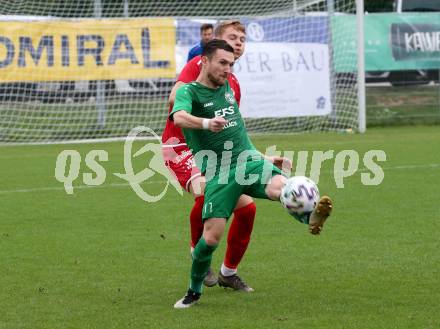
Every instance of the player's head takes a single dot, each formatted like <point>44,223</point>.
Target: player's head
<point>234,33</point>
<point>206,32</point>
<point>217,60</point>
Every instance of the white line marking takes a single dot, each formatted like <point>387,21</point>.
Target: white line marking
<point>361,170</point>
<point>80,187</point>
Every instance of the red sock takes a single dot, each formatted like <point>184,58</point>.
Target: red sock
<point>239,235</point>
<point>196,222</point>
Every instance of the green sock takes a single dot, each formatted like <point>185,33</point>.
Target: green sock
<point>202,257</point>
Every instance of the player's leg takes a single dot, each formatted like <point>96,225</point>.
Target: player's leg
<point>220,200</point>
<point>274,186</point>
<point>180,163</point>
<point>196,186</point>
<point>202,257</point>
<point>238,240</point>
<point>318,216</point>
<point>270,184</point>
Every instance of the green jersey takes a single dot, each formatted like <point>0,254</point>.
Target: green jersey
<point>205,102</point>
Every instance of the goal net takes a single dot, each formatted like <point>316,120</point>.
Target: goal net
<point>81,70</point>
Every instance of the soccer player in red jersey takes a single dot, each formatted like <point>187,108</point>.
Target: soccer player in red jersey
<point>179,160</point>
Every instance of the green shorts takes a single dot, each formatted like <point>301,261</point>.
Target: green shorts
<point>250,178</point>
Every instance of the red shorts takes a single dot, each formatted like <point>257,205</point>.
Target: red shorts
<point>180,162</point>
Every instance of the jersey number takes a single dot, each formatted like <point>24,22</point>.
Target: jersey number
<point>210,207</point>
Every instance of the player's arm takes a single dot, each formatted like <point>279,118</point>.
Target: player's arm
<point>172,97</point>
<point>183,119</point>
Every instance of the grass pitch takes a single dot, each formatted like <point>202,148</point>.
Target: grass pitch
<point>103,258</point>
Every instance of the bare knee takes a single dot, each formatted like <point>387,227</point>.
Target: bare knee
<point>212,240</point>
<point>213,230</point>
<point>243,201</point>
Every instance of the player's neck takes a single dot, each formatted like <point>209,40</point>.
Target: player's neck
<point>205,81</point>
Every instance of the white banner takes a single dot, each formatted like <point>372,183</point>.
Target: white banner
<point>284,79</point>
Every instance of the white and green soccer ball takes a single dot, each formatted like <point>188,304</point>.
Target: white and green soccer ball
<point>299,196</point>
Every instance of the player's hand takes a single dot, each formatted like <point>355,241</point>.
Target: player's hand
<point>281,162</point>
<point>216,124</point>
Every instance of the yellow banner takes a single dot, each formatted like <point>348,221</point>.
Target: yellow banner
<point>87,49</point>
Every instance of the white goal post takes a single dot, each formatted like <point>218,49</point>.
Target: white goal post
<point>92,69</point>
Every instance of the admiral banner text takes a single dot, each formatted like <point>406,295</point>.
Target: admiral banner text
<point>87,49</point>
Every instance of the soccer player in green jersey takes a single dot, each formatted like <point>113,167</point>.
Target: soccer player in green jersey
<point>215,131</point>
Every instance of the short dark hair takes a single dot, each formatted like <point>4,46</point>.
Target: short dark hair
<point>206,26</point>
<point>214,44</point>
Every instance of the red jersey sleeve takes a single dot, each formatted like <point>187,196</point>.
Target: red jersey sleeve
<point>191,70</point>
<point>235,86</point>
<point>171,132</point>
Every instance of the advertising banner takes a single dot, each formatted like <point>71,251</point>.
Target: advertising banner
<point>87,49</point>
<point>284,79</point>
<point>406,41</point>
<point>284,70</point>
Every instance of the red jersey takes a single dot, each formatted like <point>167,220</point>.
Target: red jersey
<point>190,73</point>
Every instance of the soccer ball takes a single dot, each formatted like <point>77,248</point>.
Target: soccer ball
<point>299,196</point>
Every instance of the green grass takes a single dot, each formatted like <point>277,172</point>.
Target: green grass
<point>403,105</point>
<point>103,258</point>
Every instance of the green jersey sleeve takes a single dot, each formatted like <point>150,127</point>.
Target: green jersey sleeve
<point>183,100</point>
